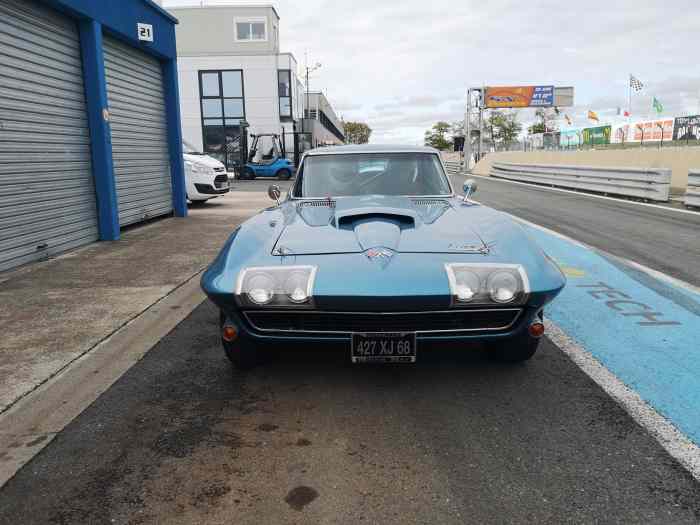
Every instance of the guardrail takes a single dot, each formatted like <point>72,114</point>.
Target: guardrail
<point>453,167</point>
<point>647,183</point>
<point>692,194</point>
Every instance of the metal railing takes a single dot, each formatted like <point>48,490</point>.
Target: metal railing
<point>453,167</point>
<point>646,183</point>
<point>692,194</point>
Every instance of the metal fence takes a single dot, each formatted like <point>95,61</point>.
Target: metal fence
<point>652,184</point>
<point>692,194</point>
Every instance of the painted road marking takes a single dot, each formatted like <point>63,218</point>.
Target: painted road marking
<point>646,339</point>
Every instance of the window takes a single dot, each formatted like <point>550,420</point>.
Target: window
<point>339,175</point>
<point>284,83</point>
<point>251,30</point>
<point>223,108</point>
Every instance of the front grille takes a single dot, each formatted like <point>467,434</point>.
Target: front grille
<point>346,322</point>
<point>220,179</point>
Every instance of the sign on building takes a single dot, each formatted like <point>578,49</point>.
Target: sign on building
<point>519,96</point>
<point>686,128</point>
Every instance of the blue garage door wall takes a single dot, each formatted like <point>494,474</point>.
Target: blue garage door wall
<point>119,19</point>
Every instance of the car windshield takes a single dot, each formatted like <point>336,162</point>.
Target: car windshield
<point>339,175</point>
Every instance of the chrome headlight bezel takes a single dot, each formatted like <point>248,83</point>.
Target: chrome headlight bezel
<point>279,276</point>
<point>484,271</point>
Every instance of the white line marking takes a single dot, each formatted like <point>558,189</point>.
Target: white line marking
<point>669,437</point>
<point>591,195</point>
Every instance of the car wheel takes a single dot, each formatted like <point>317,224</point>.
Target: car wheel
<point>248,174</point>
<point>515,350</point>
<point>284,174</point>
<point>241,354</point>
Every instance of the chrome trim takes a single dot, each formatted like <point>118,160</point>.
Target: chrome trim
<point>427,312</point>
<point>519,267</point>
<point>309,288</point>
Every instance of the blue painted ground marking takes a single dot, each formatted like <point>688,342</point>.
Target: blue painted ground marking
<point>649,341</point>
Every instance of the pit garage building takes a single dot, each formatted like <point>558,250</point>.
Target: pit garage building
<point>90,136</point>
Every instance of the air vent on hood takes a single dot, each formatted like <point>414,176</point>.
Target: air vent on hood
<point>317,204</point>
<point>430,202</point>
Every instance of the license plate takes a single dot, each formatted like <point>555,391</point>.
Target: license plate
<point>383,348</point>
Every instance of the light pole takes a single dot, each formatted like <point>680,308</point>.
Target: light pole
<point>309,69</point>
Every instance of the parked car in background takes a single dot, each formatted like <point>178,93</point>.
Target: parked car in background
<point>205,177</point>
<point>373,251</point>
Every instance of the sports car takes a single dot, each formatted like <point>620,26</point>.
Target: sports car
<point>372,252</point>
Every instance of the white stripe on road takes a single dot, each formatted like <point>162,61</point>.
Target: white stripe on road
<point>669,437</point>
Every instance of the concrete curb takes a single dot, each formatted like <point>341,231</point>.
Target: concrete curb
<point>32,422</point>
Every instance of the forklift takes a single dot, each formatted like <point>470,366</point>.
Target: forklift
<point>265,159</point>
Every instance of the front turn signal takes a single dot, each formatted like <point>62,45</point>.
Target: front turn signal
<point>229,333</point>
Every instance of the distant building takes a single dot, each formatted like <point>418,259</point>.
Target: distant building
<point>231,70</point>
<point>321,121</point>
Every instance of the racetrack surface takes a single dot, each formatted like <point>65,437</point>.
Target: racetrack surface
<point>309,438</point>
<point>664,240</point>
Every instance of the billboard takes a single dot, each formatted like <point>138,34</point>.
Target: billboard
<point>687,128</point>
<point>597,135</point>
<point>653,130</point>
<point>519,96</point>
<point>621,133</point>
<point>570,138</point>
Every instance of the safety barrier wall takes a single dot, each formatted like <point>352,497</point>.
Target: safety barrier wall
<point>652,183</point>
<point>692,194</point>
<point>453,167</point>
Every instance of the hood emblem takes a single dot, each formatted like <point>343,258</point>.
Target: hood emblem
<point>381,255</point>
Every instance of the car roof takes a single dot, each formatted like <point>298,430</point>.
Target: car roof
<point>370,148</point>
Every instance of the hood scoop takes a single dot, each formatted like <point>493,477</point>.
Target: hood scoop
<point>375,214</point>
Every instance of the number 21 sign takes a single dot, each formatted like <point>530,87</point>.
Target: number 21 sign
<point>145,32</point>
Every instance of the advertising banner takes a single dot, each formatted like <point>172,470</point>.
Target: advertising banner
<point>570,138</point>
<point>519,96</point>
<point>621,133</point>
<point>687,128</point>
<point>597,135</point>
<point>653,130</point>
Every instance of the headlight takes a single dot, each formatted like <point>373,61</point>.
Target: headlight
<point>502,287</point>
<point>276,286</point>
<point>487,283</point>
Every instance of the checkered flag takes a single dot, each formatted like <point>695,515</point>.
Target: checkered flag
<point>635,83</point>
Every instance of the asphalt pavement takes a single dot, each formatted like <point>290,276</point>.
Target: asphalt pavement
<point>309,438</point>
<point>662,239</point>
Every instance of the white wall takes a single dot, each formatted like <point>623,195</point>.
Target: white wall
<point>259,85</point>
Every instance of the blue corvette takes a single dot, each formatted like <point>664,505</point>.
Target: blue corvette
<point>373,252</point>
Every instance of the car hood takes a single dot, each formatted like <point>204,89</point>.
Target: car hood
<point>205,160</point>
<point>358,224</point>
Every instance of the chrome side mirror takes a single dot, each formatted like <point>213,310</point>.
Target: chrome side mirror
<point>469,188</point>
<point>274,193</point>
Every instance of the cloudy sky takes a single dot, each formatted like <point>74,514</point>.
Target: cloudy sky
<point>402,65</point>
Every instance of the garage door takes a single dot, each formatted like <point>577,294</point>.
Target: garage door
<point>139,133</point>
<point>47,196</point>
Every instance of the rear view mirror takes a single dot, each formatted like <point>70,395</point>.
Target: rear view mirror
<point>274,193</point>
<point>469,188</point>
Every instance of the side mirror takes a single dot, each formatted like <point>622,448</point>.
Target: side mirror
<point>469,188</point>
<point>274,193</point>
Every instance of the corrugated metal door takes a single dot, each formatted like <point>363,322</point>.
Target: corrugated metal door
<point>139,133</point>
<point>47,194</point>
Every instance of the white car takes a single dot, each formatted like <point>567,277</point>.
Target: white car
<point>205,177</point>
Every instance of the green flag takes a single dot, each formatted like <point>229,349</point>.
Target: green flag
<point>657,106</point>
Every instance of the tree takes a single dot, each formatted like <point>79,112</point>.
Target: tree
<point>546,121</point>
<point>505,127</point>
<point>356,132</point>
<point>437,138</point>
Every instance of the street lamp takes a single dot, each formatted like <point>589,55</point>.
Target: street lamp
<point>309,69</point>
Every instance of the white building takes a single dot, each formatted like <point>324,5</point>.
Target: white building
<point>231,70</point>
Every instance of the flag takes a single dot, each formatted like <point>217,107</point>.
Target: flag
<point>627,113</point>
<point>568,119</point>
<point>657,106</point>
<point>593,115</point>
<point>635,83</point>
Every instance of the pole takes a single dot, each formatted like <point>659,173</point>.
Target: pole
<point>481,117</point>
<point>468,132</point>
<point>629,100</point>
